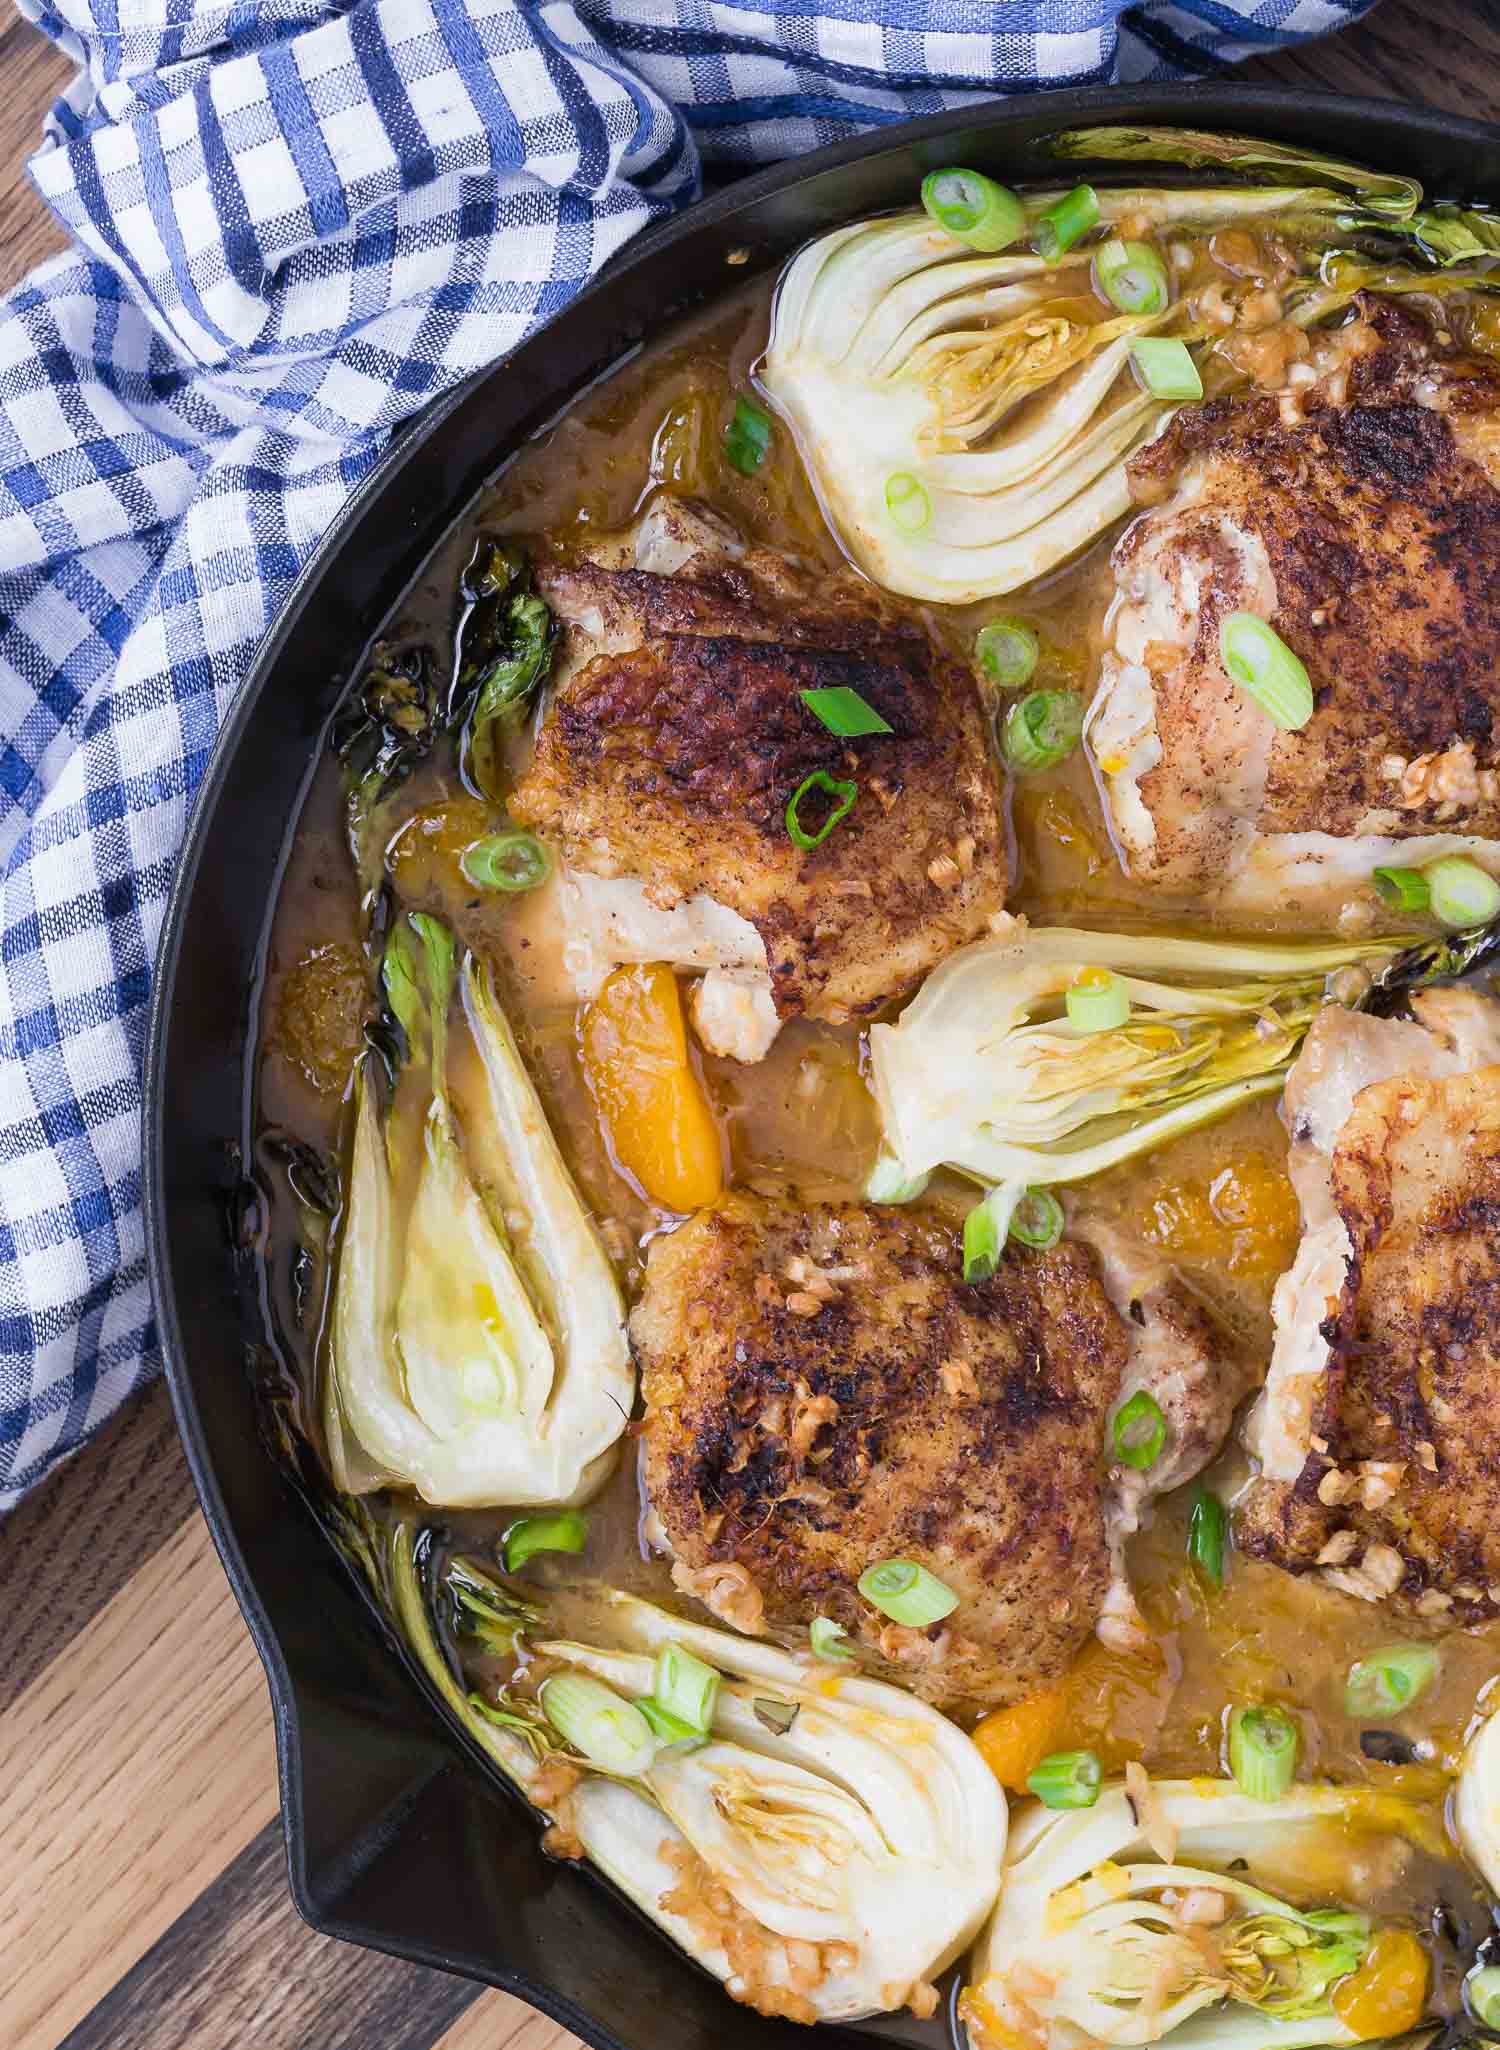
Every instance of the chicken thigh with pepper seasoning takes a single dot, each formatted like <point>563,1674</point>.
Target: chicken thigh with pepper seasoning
<point>1378,1430</point>
<point>823,1391</point>
<point>678,735</point>
<point>1357,513</point>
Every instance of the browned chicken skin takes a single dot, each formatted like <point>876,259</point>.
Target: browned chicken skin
<point>823,1392</point>
<point>1359,515</point>
<point>678,734</point>
<point>1398,1422</point>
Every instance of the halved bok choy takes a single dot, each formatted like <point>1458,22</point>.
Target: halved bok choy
<point>825,1852</point>
<point>1167,1919</point>
<point>988,1072</point>
<point>901,361</point>
<point>966,416</point>
<point>476,1349</point>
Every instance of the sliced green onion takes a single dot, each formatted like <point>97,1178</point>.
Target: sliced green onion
<point>506,861</point>
<point>981,1242</point>
<point>1482,1991</point>
<point>747,439</point>
<point>1166,368</point>
<point>889,1183</point>
<point>1041,730</point>
<point>1461,894</point>
<point>1389,1680</point>
<point>1265,668</point>
<point>1403,889</point>
<point>844,712</point>
<point>1139,1431</point>
<point>685,1686</point>
<point>1037,1219</point>
<point>907,1593</point>
<point>1208,1536</point>
<point>1061,225</point>
<point>907,502</point>
<point>1262,1751</point>
<point>1007,650</point>
<point>671,1729</point>
<point>819,780</point>
<point>1132,277</point>
<point>611,1733</point>
<point>1344,1922</point>
<point>974,208</point>
<point>1096,1001</point>
<point>827,1639</point>
<point>565,1530</point>
<point>1067,1779</point>
<point>501,1717</point>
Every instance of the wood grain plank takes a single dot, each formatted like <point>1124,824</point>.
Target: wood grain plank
<point>240,1968</point>
<point>34,73</point>
<point>132,1770</point>
<point>495,2021</point>
<point>71,1545</point>
<point>1444,54</point>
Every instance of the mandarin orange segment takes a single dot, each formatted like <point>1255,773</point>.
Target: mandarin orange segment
<point>426,850</point>
<point>1013,1741</point>
<point>655,1115</point>
<point>1245,1219</point>
<point>1386,1996</point>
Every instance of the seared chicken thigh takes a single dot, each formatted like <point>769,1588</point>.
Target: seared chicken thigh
<point>1358,514</point>
<point>675,739</point>
<point>824,1392</point>
<point>1378,1434</point>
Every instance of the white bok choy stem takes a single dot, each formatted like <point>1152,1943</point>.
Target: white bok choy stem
<point>1476,1806</point>
<point>857,1832</point>
<point>985,1073</point>
<point>477,1348</point>
<point>1082,1940</point>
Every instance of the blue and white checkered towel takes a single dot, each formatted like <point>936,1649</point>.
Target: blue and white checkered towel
<point>295,222</point>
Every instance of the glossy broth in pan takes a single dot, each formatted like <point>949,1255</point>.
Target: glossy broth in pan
<point>1215,1206</point>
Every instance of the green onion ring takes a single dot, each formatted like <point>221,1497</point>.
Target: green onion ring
<point>1139,1431</point>
<point>1264,667</point>
<point>512,862</point>
<point>1263,1745</point>
<point>1008,650</point>
<point>1067,1779</point>
<point>1461,893</point>
<point>1165,368</point>
<point>1041,730</point>
<point>974,208</point>
<point>563,1530</point>
<point>907,1593</point>
<point>1062,225</point>
<point>1389,1680</point>
<point>830,787</point>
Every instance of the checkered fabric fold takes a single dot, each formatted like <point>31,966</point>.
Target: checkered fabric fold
<point>293,224</point>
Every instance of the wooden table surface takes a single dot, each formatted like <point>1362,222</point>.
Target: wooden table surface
<point>143,1900</point>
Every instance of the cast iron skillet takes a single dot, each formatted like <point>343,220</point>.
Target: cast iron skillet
<point>397,1836</point>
